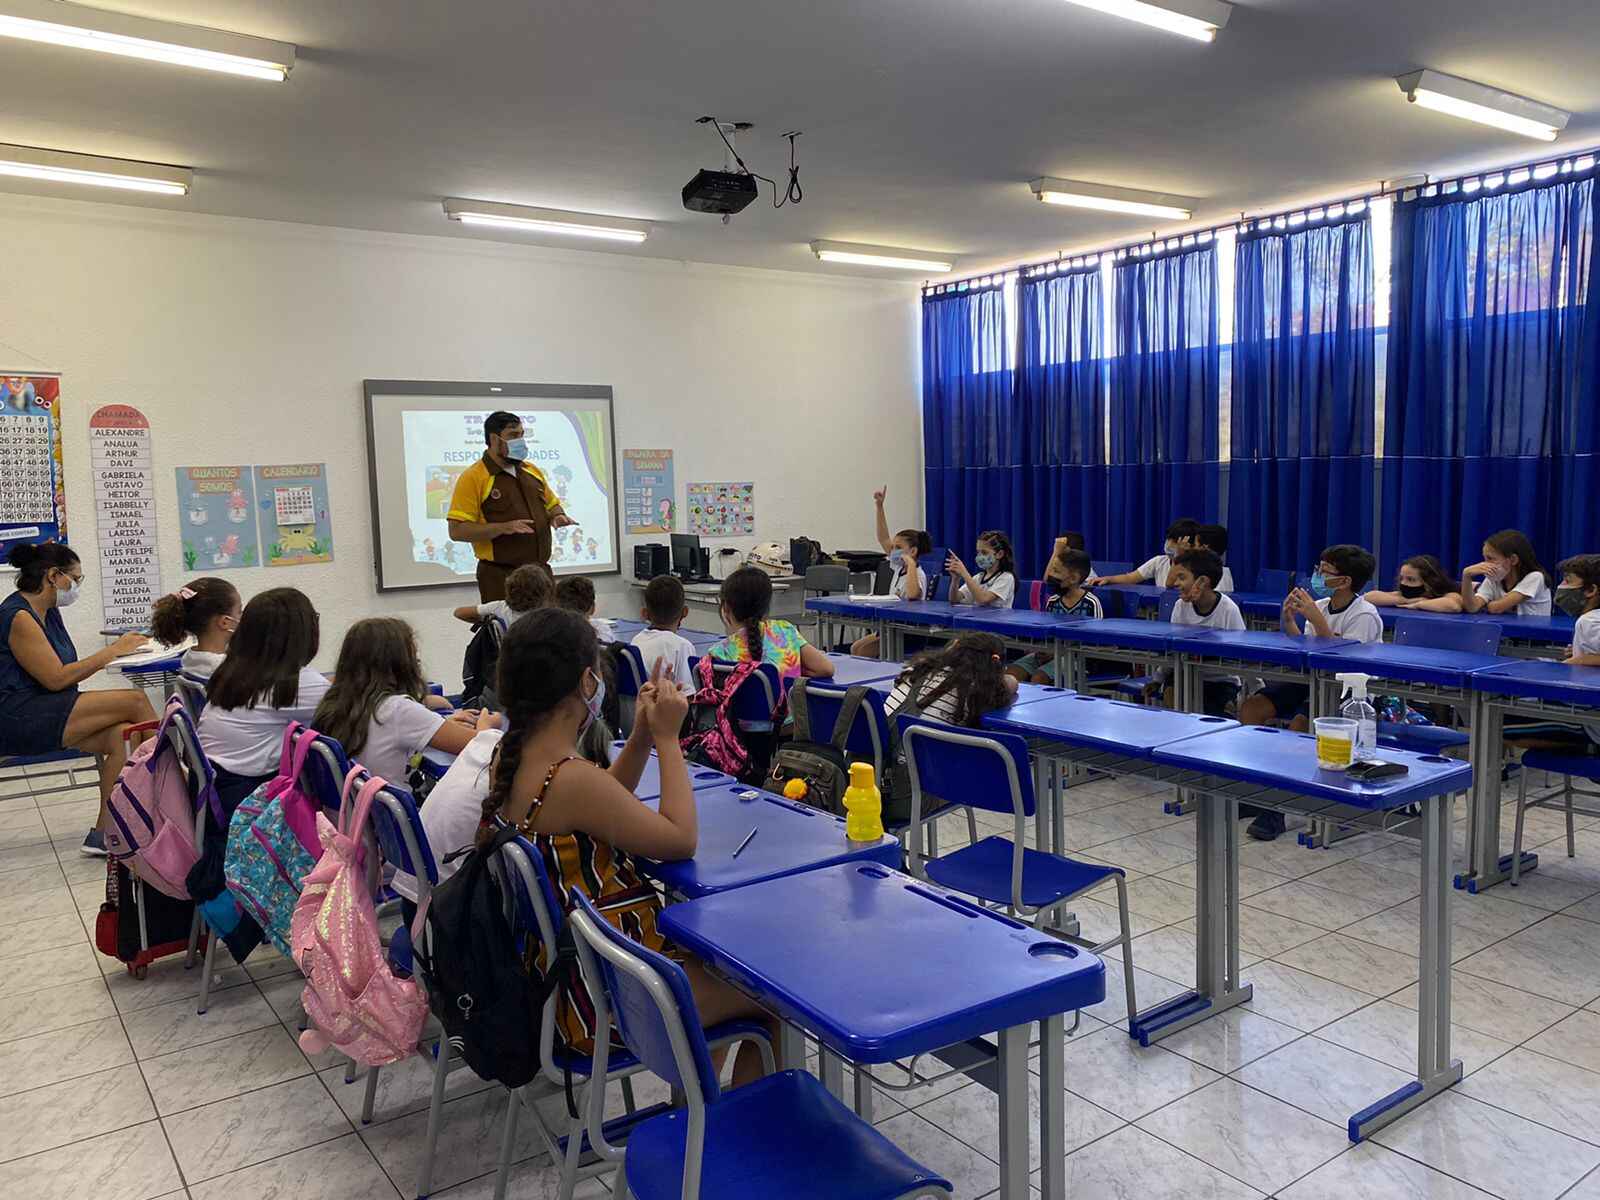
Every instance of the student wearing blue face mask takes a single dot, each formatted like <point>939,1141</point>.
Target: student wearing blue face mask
<point>995,585</point>
<point>909,581</point>
<point>505,507</point>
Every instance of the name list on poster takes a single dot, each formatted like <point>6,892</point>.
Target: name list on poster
<point>125,515</point>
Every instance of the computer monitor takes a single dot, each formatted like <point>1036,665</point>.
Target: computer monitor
<point>686,555</point>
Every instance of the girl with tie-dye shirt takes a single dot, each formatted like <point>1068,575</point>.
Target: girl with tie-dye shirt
<point>746,600</point>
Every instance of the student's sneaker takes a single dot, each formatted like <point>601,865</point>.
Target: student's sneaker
<point>94,844</point>
<point>1266,827</point>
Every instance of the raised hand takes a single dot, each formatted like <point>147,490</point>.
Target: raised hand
<point>878,496</point>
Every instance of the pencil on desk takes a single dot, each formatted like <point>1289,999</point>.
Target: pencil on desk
<point>748,838</point>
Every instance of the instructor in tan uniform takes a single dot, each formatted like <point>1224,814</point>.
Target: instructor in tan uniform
<point>505,507</point>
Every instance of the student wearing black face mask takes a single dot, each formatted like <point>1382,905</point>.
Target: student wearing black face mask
<point>1421,584</point>
<point>1579,597</point>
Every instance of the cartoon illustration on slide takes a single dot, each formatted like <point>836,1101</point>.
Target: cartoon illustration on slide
<point>557,553</point>
<point>450,554</point>
<point>563,481</point>
<point>440,486</point>
<point>238,506</point>
<point>577,540</point>
<point>594,549</point>
<point>428,548</point>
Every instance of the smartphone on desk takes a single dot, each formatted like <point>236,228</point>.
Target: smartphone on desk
<point>1373,772</point>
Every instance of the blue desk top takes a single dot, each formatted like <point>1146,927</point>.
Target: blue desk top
<point>1416,664</point>
<point>1121,632</point>
<point>791,838</point>
<point>1100,724</point>
<point>880,966</point>
<point>1279,758</point>
<point>1542,679</point>
<point>1549,631</point>
<point>702,640</point>
<point>848,670</point>
<point>650,781</point>
<point>1258,604</point>
<point>1012,622</point>
<point>1252,645</point>
<point>907,612</point>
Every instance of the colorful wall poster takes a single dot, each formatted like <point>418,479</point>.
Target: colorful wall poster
<point>721,509</point>
<point>120,462</point>
<point>216,515</point>
<point>649,499</point>
<point>295,518</point>
<point>33,503</point>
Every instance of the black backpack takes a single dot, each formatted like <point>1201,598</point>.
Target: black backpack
<point>822,764</point>
<point>479,664</point>
<point>479,985</point>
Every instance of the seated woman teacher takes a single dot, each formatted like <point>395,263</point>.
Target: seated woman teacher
<point>505,507</point>
<point>41,709</point>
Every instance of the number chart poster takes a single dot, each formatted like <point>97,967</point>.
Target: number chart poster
<point>722,509</point>
<point>648,493</point>
<point>295,517</point>
<point>120,461</point>
<point>216,515</point>
<point>33,503</point>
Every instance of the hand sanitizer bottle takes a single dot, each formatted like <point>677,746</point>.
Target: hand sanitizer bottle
<point>1359,709</point>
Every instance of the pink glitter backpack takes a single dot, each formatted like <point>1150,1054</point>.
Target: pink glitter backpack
<point>355,1002</point>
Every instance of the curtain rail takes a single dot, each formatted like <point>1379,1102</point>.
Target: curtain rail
<point>1123,249</point>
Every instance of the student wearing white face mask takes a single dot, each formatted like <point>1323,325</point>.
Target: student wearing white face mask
<point>905,549</point>
<point>41,709</point>
<point>995,585</point>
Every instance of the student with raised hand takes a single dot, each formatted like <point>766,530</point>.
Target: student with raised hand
<point>746,601</point>
<point>1421,584</point>
<point>909,581</point>
<point>1510,578</point>
<point>528,587</point>
<point>585,822</point>
<point>379,708</point>
<point>995,586</point>
<point>41,709</point>
<point>1158,568</point>
<point>207,610</point>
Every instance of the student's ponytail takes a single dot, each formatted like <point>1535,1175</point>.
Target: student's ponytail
<point>191,608</point>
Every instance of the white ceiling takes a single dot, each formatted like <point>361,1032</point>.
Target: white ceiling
<point>923,119</point>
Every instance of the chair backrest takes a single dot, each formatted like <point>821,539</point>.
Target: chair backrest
<point>757,698</point>
<point>932,564</point>
<point>1270,581</point>
<point>650,1001</point>
<point>869,736</point>
<point>966,767</point>
<point>324,772</point>
<point>191,690</point>
<point>1169,601</point>
<point>834,577</point>
<point>1112,568</point>
<point>1033,590</point>
<point>534,911</point>
<point>403,842</point>
<point>631,675</point>
<point>1471,637</point>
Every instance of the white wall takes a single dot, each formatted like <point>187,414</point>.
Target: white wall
<point>247,341</point>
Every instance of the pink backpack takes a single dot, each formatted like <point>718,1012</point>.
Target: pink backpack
<point>149,822</point>
<point>354,1001</point>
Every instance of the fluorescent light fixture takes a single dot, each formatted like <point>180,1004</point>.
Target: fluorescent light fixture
<point>90,170</point>
<point>545,220</point>
<point>1485,105</point>
<point>1074,194</point>
<point>80,28</point>
<point>1197,19</point>
<point>897,257</point>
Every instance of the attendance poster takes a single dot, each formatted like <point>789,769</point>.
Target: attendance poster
<point>122,470</point>
<point>721,509</point>
<point>33,503</point>
<point>648,504</point>
<point>295,520</point>
<point>569,448</point>
<point>217,518</point>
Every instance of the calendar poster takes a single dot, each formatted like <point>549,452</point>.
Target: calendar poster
<point>33,505</point>
<point>296,524</point>
<point>120,462</point>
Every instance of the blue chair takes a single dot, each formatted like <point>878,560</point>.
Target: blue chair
<point>1031,591</point>
<point>990,771</point>
<point>783,1136</point>
<point>535,912</point>
<point>631,676</point>
<point>191,689</point>
<point>1470,637</point>
<point>1270,581</point>
<point>756,702</point>
<point>1135,686</point>
<point>1570,767</point>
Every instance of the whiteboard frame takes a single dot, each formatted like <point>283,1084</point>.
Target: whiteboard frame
<point>495,396</point>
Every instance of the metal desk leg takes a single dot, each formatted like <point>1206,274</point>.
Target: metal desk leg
<point>863,1093</point>
<point>792,1047</point>
<point>1049,794</point>
<point>832,1068</point>
<point>1486,866</point>
<point>1052,1110</point>
<point>1436,1070</point>
<point>1014,1158</point>
<point>1217,986</point>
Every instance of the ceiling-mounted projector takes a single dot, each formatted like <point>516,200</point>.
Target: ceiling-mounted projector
<point>723,192</point>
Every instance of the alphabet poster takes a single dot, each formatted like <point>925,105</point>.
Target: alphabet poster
<point>33,503</point>
<point>216,514</point>
<point>648,494</point>
<point>125,515</point>
<point>295,519</point>
<point>722,509</point>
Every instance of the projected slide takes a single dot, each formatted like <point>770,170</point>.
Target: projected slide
<point>422,436</point>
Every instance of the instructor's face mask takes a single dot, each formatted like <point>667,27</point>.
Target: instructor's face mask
<point>67,592</point>
<point>593,703</point>
<point>1412,591</point>
<point>1571,601</point>
<point>517,449</point>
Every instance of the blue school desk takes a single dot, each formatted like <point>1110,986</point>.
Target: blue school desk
<point>881,967</point>
<point>650,780</point>
<point>1277,769</point>
<point>1538,634</point>
<point>848,670</point>
<point>1541,690</point>
<point>789,838</point>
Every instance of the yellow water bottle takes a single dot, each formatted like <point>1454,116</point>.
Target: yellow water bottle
<point>863,805</point>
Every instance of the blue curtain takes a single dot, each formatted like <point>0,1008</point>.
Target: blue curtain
<point>1061,401</point>
<point>1490,417</point>
<point>972,437</point>
<point>1300,476</point>
<point>1164,399</point>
